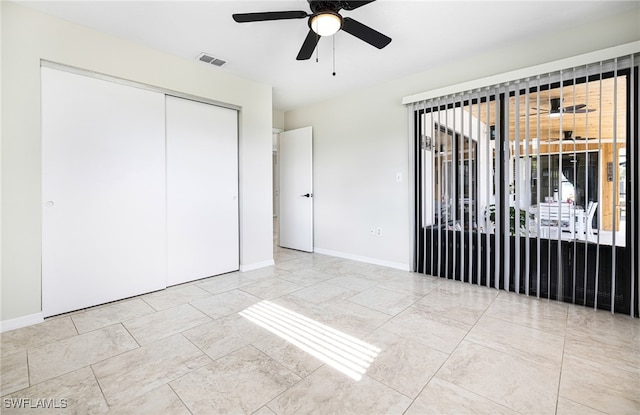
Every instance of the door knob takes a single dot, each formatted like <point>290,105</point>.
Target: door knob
<point>307,195</point>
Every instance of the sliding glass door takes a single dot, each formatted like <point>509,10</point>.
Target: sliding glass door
<point>527,186</point>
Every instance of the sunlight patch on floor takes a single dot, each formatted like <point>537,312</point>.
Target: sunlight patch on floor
<point>345,353</point>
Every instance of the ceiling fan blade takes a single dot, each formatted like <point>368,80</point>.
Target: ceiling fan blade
<point>261,17</point>
<point>584,111</point>
<point>363,32</point>
<point>352,5</point>
<point>308,46</point>
<point>541,110</point>
<point>573,108</point>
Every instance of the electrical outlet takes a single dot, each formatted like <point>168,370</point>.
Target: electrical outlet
<point>378,231</point>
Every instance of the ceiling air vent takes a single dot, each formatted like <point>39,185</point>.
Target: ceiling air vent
<point>206,58</point>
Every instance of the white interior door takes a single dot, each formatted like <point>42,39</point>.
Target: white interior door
<point>202,190</point>
<point>296,189</point>
<point>103,191</point>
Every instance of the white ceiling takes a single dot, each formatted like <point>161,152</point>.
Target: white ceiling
<point>425,34</point>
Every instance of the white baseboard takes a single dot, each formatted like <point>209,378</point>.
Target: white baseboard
<point>256,265</point>
<point>24,321</point>
<point>368,260</point>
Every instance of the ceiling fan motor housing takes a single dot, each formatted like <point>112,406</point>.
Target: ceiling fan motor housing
<point>325,6</point>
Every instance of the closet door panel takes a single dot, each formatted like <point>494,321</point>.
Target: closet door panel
<point>103,188</point>
<point>202,190</point>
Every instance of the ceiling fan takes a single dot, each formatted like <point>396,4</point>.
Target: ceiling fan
<point>568,135</point>
<point>557,109</point>
<point>565,137</point>
<point>324,20</point>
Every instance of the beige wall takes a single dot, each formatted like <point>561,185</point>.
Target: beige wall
<point>28,37</point>
<point>361,140</point>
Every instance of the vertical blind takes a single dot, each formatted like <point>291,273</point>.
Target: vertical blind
<point>532,185</point>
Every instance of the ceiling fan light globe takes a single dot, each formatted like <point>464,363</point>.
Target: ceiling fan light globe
<point>326,23</point>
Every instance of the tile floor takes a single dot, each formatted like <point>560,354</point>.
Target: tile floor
<point>443,347</point>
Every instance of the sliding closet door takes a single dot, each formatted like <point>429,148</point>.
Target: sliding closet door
<point>103,191</point>
<point>202,190</point>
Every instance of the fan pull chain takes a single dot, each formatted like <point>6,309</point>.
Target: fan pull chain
<point>317,41</point>
<point>334,55</point>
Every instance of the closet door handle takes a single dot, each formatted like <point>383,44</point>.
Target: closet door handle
<point>307,195</point>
